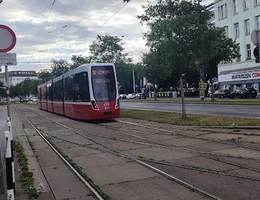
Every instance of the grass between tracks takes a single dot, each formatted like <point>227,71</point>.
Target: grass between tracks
<point>26,176</point>
<point>192,120</point>
<point>197,101</point>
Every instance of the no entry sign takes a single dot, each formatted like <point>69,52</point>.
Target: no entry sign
<point>7,39</point>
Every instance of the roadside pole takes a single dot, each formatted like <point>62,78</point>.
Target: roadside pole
<point>9,38</point>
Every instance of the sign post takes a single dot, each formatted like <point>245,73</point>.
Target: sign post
<point>7,43</point>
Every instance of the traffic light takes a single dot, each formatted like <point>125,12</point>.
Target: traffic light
<point>256,54</point>
<point>202,85</point>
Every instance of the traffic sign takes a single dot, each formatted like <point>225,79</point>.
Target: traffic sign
<point>255,37</point>
<point>256,52</point>
<point>8,59</point>
<point>7,39</point>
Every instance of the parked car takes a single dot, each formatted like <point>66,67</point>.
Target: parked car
<point>141,96</point>
<point>122,96</point>
<point>222,94</point>
<point>244,93</point>
<point>131,96</point>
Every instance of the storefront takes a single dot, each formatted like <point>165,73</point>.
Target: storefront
<point>234,80</point>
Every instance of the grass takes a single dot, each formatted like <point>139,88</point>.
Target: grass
<point>26,176</point>
<point>197,101</point>
<point>192,120</point>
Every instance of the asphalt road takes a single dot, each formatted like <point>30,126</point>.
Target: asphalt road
<point>251,111</point>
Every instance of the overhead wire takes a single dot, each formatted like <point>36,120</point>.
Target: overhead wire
<point>84,18</point>
<point>40,12</point>
<point>49,12</point>
<point>110,18</point>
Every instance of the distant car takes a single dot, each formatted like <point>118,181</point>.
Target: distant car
<point>34,99</point>
<point>244,93</point>
<point>122,96</point>
<point>141,96</point>
<point>131,96</point>
<point>222,94</point>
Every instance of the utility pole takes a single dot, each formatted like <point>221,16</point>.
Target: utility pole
<point>134,81</point>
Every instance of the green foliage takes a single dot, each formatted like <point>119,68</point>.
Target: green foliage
<point>80,60</point>
<point>59,67</point>
<point>183,41</point>
<point>45,75</point>
<point>27,87</point>
<point>26,176</point>
<point>107,49</point>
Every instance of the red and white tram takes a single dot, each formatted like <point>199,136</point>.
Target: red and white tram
<point>88,92</point>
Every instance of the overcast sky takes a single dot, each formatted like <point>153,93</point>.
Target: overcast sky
<point>42,38</point>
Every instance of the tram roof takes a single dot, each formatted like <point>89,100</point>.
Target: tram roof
<point>77,70</point>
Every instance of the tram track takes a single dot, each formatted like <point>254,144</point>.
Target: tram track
<point>213,156</point>
<point>245,146</point>
<point>210,155</point>
<point>128,156</point>
<point>81,177</point>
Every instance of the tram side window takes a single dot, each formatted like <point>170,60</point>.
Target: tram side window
<point>80,87</point>
<point>68,88</point>
<point>40,93</point>
<point>49,92</point>
<point>57,94</point>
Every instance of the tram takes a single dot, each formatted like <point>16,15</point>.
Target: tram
<point>88,92</point>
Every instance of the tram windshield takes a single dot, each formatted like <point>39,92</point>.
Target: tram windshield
<point>103,83</point>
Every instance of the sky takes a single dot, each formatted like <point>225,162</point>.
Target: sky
<point>45,32</point>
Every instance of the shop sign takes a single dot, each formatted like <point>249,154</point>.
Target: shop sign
<point>241,76</point>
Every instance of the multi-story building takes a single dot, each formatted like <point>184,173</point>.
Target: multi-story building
<point>16,77</point>
<point>239,18</point>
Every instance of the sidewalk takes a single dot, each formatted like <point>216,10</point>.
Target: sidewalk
<point>3,114</point>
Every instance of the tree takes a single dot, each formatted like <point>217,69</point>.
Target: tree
<point>107,49</point>
<point>59,67</point>
<point>80,60</point>
<point>27,87</point>
<point>181,33</point>
<point>45,75</point>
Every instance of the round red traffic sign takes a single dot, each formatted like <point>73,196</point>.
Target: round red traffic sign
<point>7,39</point>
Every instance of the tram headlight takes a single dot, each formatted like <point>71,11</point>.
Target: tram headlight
<point>94,105</point>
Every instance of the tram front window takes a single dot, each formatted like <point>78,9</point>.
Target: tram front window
<point>103,83</point>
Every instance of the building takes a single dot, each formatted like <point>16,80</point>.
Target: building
<point>16,77</point>
<point>239,18</point>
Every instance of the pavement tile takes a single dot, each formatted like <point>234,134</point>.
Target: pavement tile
<point>209,146</point>
<point>157,188</point>
<point>184,141</point>
<point>122,172</point>
<point>58,176</point>
<point>97,160</point>
<point>79,152</point>
<point>240,152</point>
<point>160,153</point>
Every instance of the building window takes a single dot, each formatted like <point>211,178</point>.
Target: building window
<point>226,30</point>
<point>258,21</point>
<point>246,4</point>
<point>239,57</point>
<point>248,52</point>
<point>234,7</point>
<point>247,27</point>
<point>222,12</point>
<point>236,27</point>
<point>257,2</point>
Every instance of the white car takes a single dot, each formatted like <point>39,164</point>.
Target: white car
<point>131,96</point>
